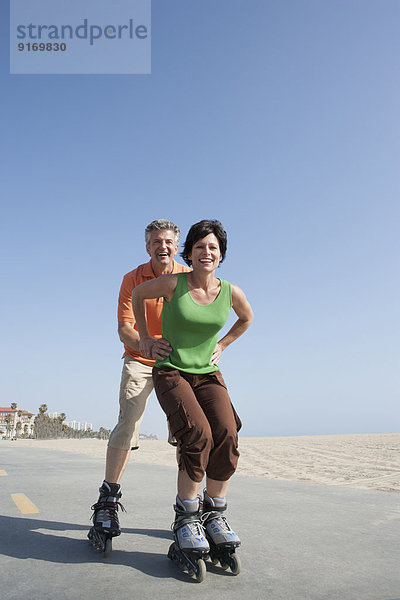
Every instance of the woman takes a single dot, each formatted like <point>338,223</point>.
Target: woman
<point>190,387</point>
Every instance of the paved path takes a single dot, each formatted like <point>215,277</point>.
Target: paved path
<point>300,541</point>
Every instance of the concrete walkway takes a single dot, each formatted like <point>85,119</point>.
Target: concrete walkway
<point>300,541</point>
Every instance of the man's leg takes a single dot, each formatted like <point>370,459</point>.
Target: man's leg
<point>136,387</point>
<point>116,461</point>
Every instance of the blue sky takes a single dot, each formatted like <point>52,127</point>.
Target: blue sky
<point>281,119</point>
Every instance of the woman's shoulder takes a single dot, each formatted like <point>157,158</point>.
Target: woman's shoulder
<point>236,291</point>
<point>167,284</point>
<point>169,277</point>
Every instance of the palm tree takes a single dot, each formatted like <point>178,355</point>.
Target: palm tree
<point>58,421</point>
<point>13,405</point>
<point>41,422</point>
<point>7,421</point>
<point>104,433</point>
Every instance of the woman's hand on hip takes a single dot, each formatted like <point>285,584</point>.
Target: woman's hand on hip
<point>161,349</point>
<point>149,347</point>
<point>216,354</point>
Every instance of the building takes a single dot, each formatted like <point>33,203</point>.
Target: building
<point>76,425</point>
<point>15,422</point>
<point>54,415</point>
<point>79,425</point>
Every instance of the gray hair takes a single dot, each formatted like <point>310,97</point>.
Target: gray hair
<point>160,224</point>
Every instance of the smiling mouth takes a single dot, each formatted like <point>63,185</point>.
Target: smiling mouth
<point>162,254</point>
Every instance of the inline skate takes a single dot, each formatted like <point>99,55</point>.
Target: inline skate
<point>190,547</point>
<point>105,518</point>
<point>222,539</point>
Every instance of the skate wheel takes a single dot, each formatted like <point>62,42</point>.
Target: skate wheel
<point>200,571</point>
<point>214,561</point>
<point>107,547</point>
<point>224,566</point>
<point>235,564</point>
<point>172,552</point>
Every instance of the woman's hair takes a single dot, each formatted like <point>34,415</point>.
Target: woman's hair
<point>200,230</point>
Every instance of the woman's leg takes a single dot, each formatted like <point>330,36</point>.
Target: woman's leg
<point>217,488</point>
<point>188,424</point>
<point>213,397</point>
<point>187,489</point>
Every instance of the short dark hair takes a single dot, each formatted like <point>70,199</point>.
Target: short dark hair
<point>200,230</point>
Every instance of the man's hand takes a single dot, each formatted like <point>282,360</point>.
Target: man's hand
<point>216,354</point>
<point>152,348</point>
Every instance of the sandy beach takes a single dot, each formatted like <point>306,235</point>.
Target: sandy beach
<point>367,461</point>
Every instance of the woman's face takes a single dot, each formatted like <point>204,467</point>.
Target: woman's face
<point>205,254</point>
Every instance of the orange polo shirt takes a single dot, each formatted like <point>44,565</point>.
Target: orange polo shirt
<point>153,306</point>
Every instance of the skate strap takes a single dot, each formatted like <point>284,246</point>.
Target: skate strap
<point>194,525</point>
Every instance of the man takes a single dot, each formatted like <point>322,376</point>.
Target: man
<point>162,242</point>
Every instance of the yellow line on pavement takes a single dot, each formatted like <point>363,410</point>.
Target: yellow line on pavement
<point>24,504</point>
<point>2,472</point>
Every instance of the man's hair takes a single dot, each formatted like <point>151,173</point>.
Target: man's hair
<point>200,230</point>
<point>160,224</point>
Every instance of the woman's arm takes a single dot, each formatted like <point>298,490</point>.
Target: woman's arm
<point>162,287</point>
<point>242,308</point>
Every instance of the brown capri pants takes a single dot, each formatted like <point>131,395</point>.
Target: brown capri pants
<point>202,419</point>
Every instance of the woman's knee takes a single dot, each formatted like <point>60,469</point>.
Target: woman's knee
<point>194,451</point>
<point>224,457</point>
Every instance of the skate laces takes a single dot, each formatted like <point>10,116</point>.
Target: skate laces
<point>105,510</point>
<point>219,519</point>
<point>196,528</point>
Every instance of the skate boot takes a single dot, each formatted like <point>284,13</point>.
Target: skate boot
<point>105,518</point>
<point>190,546</point>
<point>222,539</point>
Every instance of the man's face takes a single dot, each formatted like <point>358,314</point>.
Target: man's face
<point>162,247</point>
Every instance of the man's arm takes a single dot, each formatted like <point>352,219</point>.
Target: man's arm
<point>126,324</point>
<point>128,335</point>
<point>162,287</point>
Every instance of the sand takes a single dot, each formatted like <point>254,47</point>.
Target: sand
<point>367,461</point>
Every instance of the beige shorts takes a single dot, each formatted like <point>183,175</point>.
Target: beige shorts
<point>136,387</point>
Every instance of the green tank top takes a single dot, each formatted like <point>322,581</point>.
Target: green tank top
<point>192,329</point>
